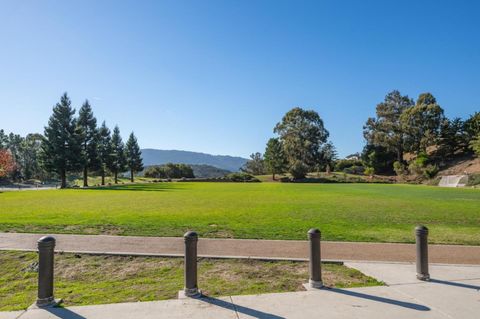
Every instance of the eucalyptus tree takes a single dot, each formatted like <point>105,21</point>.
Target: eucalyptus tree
<point>302,134</point>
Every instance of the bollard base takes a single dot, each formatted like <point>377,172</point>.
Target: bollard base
<point>313,285</point>
<point>189,293</point>
<point>423,277</point>
<point>46,304</point>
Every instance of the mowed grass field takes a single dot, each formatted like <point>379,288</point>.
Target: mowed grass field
<point>344,212</point>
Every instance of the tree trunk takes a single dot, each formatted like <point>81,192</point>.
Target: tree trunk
<point>85,177</point>
<point>116,177</point>
<point>131,175</point>
<point>63,176</point>
<point>103,178</point>
<point>399,155</point>
<point>273,176</point>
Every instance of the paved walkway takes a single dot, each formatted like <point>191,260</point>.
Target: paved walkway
<point>243,248</point>
<point>453,292</point>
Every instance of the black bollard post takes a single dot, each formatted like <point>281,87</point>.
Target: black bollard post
<point>191,287</point>
<point>315,259</point>
<point>46,247</point>
<point>421,234</point>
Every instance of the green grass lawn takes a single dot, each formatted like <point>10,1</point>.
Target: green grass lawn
<point>346,212</point>
<point>84,279</point>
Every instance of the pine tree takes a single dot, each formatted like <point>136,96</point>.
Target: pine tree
<point>386,129</point>
<point>117,162</point>
<point>87,125</point>
<point>104,150</point>
<point>61,146</point>
<point>134,156</point>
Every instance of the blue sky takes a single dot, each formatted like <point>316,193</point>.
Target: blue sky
<point>216,76</point>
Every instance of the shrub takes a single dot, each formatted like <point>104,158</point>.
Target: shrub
<point>241,177</point>
<point>399,168</point>
<point>343,164</point>
<point>298,170</point>
<point>430,171</point>
<point>473,180</point>
<point>169,170</point>
<point>355,169</point>
<point>369,171</point>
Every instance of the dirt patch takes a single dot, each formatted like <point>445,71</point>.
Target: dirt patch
<point>461,166</point>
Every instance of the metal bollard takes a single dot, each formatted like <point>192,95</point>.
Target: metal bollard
<point>191,288</point>
<point>421,234</point>
<point>46,246</point>
<point>315,259</point>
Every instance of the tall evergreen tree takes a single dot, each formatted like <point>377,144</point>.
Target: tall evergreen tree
<point>104,150</point>
<point>274,157</point>
<point>471,128</point>
<point>61,146</point>
<point>118,161</point>
<point>328,156</point>
<point>87,124</point>
<point>30,157</point>
<point>134,156</point>
<point>255,165</point>
<point>452,139</point>
<point>386,129</point>
<point>422,124</point>
<point>3,139</point>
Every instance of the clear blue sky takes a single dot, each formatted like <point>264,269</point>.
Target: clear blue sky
<point>216,76</point>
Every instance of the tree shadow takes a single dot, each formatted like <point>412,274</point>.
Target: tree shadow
<point>136,187</point>
<point>404,304</point>
<point>64,313</point>
<point>244,310</point>
<point>456,284</point>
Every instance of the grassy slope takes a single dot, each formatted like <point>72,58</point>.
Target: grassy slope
<point>353,212</point>
<point>110,279</point>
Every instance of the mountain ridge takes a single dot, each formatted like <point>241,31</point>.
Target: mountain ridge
<point>153,156</point>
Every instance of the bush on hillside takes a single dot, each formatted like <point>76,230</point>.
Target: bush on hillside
<point>349,166</point>
<point>399,168</point>
<point>241,177</point>
<point>169,170</point>
<point>473,180</point>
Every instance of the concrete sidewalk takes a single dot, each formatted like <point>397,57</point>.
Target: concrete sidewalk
<point>243,248</point>
<point>452,293</point>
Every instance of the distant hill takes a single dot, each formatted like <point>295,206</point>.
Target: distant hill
<point>157,157</point>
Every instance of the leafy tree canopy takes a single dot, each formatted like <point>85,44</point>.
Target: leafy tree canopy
<point>302,134</point>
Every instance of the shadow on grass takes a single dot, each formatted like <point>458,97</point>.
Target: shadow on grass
<point>456,284</point>
<point>137,187</point>
<point>394,302</point>
<point>243,310</point>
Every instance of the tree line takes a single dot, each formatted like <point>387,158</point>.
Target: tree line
<point>71,144</point>
<point>415,137</point>
<point>169,170</point>
<point>405,137</point>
